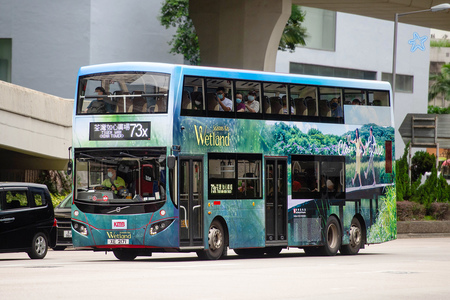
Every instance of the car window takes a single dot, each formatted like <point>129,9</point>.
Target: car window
<point>16,199</point>
<point>39,199</point>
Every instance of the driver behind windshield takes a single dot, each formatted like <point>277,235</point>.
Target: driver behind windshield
<point>113,182</point>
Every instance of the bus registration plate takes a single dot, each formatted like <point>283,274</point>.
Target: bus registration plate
<point>118,242</point>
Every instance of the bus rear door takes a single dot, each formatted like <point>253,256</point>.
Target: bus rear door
<point>276,201</point>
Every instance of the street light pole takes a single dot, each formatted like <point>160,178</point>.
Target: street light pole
<point>439,7</point>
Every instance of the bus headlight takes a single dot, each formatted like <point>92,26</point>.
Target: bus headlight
<point>82,229</point>
<point>160,226</point>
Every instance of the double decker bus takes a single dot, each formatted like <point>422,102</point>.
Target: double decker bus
<point>175,158</point>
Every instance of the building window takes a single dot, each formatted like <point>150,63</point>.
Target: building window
<point>403,83</point>
<point>320,27</point>
<point>5,59</point>
<point>307,69</point>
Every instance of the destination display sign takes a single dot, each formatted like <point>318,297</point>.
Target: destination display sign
<point>119,131</point>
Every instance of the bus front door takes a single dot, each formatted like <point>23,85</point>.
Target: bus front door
<point>191,201</point>
<point>276,201</point>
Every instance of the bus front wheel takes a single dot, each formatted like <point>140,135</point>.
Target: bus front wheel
<point>356,239</point>
<point>216,242</point>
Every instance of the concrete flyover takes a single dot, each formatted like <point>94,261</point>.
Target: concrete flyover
<point>245,34</point>
<point>35,129</point>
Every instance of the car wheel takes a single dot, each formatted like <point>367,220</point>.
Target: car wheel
<point>39,246</point>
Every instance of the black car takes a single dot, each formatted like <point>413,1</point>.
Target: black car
<point>62,215</point>
<point>27,220</point>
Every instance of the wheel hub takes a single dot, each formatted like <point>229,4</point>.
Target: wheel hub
<point>355,236</point>
<point>215,238</point>
<point>40,245</point>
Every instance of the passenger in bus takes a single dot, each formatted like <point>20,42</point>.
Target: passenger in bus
<point>356,102</point>
<point>252,105</point>
<point>114,182</point>
<point>186,101</point>
<point>240,104</point>
<point>336,109</point>
<point>225,104</point>
<point>330,185</point>
<point>98,105</point>
<point>198,101</point>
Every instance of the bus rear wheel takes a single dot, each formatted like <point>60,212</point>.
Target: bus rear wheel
<point>332,237</point>
<point>356,239</point>
<point>124,254</point>
<point>216,242</point>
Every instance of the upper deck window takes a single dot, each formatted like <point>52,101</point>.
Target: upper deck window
<point>123,93</point>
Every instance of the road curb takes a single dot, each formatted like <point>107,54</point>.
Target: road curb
<point>418,229</point>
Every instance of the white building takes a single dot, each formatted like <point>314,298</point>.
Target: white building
<point>359,47</point>
<point>44,43</point>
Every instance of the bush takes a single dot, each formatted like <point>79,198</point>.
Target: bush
<point>407,211</point>
<point>440,211</point>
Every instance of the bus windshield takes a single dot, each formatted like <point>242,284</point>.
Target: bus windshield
<point>123,92</point>
<point>125,176</point>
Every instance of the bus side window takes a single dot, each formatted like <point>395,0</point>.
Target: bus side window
<point>305,178</point>
<point>330,103</point>
<point>378,98</point>
<point>192,102</point>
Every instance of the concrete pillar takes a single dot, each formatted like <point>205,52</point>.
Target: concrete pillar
<point>239,34</point>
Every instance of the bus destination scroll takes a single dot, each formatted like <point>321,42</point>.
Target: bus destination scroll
<point>119,131</point>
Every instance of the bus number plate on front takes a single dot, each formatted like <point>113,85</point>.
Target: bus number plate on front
<point>118,242</point>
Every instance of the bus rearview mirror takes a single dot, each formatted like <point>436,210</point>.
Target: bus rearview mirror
<point>171,161</point>
<point>69,167</point>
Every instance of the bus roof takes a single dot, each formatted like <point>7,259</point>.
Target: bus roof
<point>235,74</point>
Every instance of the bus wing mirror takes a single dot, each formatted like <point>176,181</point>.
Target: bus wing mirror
<point>171,161</point>
<point>69,167</point>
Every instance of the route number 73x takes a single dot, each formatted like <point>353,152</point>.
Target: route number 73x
<point>138,131</point>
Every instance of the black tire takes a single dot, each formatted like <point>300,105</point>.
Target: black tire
<point>39,246</point>
<point>333,237</point>
<point>124,254</point>
<point>216,242</point>
<point>356,239</point>
<point>59,248</point>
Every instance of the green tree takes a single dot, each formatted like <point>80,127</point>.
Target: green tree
<point>293,34</point>
<point>441,83</point>
<point>175,13</point>
<point>421,162</point>
<point>403,183</point>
